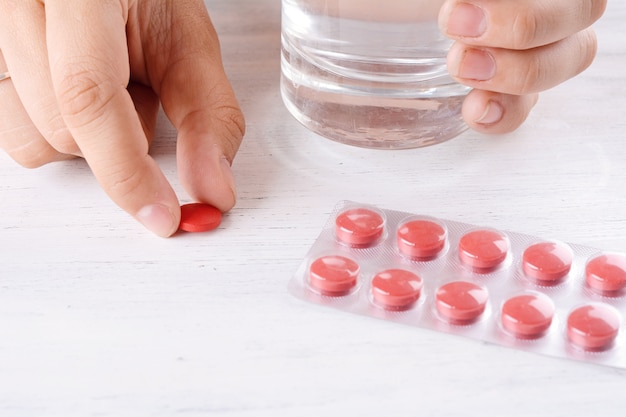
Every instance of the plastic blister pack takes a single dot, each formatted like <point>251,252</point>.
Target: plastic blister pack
<point>512,289</point>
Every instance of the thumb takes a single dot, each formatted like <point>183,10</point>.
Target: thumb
<point>199,100</point>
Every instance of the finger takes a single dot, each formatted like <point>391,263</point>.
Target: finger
<point>198,99</point>
<point>90,71</point>
<point>490,112</point>
<point>24,45</point>
<point>517,24</point>
<point>147,106</point>
<point>19,137</point>
<point>522,72</point>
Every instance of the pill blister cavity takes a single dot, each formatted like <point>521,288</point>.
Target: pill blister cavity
<point>593,326</point>
<point>461,302</point>
<point>396,289</point>
<point>360,226</point>
<point>527,316</point>
<point>333,275</point>
<point>606,274</point>
<point>421,238</point>
<point>483,250</point>
<point>547,263</point>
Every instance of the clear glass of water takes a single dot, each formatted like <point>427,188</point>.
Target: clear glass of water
<point>370,73</point>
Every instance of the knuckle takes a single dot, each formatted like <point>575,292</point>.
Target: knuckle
<point>33,154</point>
<point>122,181</point>
<point>9,8</point>
<point>546,68</point>
<point>29,160</point>
<point>226,117</point>
<point>530,77</point>
<point>60,138</point>
<point>596,9</point>
<point>233,120</point>
<point>589,48</point>
<point>525,30</point>
<point>83,95</point>
<point>63,142</point>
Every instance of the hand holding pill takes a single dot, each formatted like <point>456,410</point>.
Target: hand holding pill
<point>86,80</point>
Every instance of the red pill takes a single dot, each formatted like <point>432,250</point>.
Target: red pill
<point>359,226</point>
<point>547,262</point>
<point>333,275</point>
<point>421,238</point>
<point>461,302</point>
<point>527,316</point>
<point>483,249</point>
<point>593,326</point>
<point>199,217</point>
<point>606,274</point>
<point>396,289</point>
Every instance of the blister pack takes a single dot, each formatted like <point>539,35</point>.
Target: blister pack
<point>545,296</point>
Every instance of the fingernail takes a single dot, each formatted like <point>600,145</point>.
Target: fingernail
<point>471,63</point>
<point>227,172</point>
<point>466,20</point>
<point>158,219</point>
<point>492,114</point>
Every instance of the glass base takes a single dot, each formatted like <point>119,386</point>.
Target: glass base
<point>374,122</point>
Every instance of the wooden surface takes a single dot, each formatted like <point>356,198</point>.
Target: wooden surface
<point>100,318</point>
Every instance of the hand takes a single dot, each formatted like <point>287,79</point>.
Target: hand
<point>510,50</point>
<point>87,77</point>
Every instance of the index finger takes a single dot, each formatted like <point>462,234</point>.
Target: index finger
<point>89,64</point>
<point>517,24</point>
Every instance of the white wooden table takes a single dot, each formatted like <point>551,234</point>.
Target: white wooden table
<point>100,318</point>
